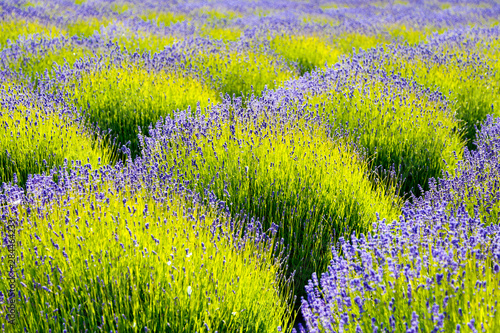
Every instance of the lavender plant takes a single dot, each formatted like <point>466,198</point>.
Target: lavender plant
<point>466,78</point>
<point>11,29</point>
<point>433,270</point>
<point>133,97</point>
<point>103,249</point>
<point>474,183</point>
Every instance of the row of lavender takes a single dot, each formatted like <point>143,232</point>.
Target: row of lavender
<point>228,14</point>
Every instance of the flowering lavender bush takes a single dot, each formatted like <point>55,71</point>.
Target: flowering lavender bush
<point>464,74</point>
<point>105,249</point>
<point>474,184</point>
<point>38,135</point>
<point>433,270</point>
<point>132,97</point>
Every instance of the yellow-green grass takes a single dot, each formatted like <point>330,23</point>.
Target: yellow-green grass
<point>106,256</point>
<point>130,97</point>
<point>35,141</point>
<point>314,188</point>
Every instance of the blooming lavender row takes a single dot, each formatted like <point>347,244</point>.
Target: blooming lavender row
<point>468,55</point>
<point>39,133</point>
<point>428,12</point>
<point>168,264</point>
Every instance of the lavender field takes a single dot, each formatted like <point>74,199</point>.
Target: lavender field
<point>250,166</point>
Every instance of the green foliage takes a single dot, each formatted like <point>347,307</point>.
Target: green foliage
<point>144,42</point>
<point>36,65</point>
<point>220,33</point>
<point>131,97</point>
<point>464,292</point>
<point>308,52</point>
<point>163,18</point>
<point>402,34</point>
<point>313,188</point>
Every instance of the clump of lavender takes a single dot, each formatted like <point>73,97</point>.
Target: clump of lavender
<point>39,135</point>
<point>432,270</point>
<point>474,183</point>
<point>468,58</point>
<point>121,249</point>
